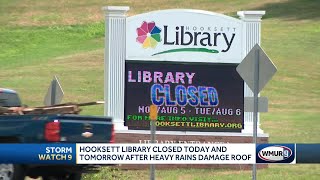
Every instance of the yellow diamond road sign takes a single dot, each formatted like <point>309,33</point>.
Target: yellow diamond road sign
<point>153,112</point>
<point>54,94</point>
<point>266,68</point>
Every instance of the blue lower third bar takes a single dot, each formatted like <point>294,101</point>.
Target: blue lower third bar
<point>307,153</point>
<point>38,153</point>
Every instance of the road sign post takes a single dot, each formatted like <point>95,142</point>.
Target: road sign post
<point>255,104</point>
<point>153,118</point>
<point>54,94</point>
<point>256,70</point>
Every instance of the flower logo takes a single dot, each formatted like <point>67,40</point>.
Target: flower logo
<point>148,34</point>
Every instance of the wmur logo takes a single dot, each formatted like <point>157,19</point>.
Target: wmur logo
<point>187,38</point>
<point>274,153</point>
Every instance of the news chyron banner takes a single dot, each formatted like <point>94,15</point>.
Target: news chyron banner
<point>167,154</point>
<point>83,153</point>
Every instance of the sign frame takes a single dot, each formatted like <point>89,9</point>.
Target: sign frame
<point>116,54</point>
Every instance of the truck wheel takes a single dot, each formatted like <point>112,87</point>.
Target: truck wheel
<point>11,172</point>
<point>74,176</point>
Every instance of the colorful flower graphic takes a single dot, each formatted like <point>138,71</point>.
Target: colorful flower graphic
<point>148,34</point>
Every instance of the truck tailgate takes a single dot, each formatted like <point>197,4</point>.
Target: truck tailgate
<point>75,128</point>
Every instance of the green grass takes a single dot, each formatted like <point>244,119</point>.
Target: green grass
<point>34,45</point>
<point>274,172</point>
<point>81,82</point>
<point>293,47</point>
<point>42,38</point>
<point>292,127</point>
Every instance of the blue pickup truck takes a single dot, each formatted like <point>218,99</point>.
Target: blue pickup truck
<point>49,128</point>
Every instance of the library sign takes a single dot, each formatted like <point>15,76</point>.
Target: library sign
<point>188,96</point>
<point>183,61</point>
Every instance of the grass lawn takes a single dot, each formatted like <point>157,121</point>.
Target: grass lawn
<point>42,38</point>
<point>274,172</point>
